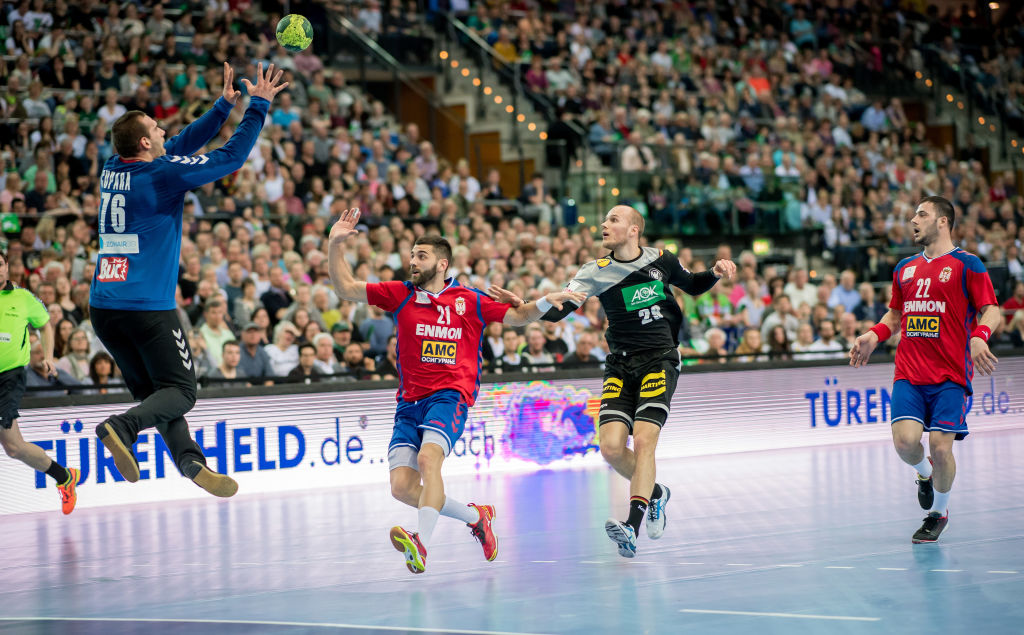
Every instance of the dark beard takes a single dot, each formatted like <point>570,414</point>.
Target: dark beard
<point>424,278</point>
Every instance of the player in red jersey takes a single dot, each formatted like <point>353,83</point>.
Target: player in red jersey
<point>440,328</point>
<point>945,309</point>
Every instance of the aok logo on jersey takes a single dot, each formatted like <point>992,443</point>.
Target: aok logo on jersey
<point>922,326</point>
<point>642,295</point>
<point>439,352</point>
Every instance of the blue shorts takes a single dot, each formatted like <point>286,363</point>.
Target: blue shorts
<point>443,412</point>
<point>935,406</point>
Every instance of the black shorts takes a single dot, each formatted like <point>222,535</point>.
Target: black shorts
<point>12,389</point>
<point>639,387</point>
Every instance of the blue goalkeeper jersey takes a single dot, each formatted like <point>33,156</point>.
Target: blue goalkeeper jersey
<point>141,206</point>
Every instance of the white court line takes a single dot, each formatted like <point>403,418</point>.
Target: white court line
<point>157,620</point>
<point>789,565</point>
<point>891,568</point>
<point>1001,572</point>
<point>947,570</point>
<point>838,567</point>
<point>844,618</point>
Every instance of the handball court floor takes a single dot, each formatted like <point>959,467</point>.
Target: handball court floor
<point>813,540</point>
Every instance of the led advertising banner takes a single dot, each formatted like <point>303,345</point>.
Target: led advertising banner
<point>304,441</point>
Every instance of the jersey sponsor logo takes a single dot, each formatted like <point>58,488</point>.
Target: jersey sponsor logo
<point>656,273</point>
<point>612,388</point>
<point>653,384</point>
<point>5,338</point>
<point>421,298</point>
<point>642,295</point>
<point>119,243</point>
<point>112,270</point>
<point>439,352</point>
<point>460,306</point>
<point>924,306</point>
<point>197,160</point>
<point>603,262</point>
<point>923,326</point>
<point>439,331</point>
<point>908,273</point>
<point>946,274</point>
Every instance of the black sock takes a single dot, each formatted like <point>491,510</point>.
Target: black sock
<point>57,471</point>
<point>657,492</point>
<point>637,509</point>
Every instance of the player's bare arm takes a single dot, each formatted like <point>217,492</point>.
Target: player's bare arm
<point>344,282</point>
<point>864,345</point>
<point>990,319</point>
<point>46,339</point>
<point>531,311</point>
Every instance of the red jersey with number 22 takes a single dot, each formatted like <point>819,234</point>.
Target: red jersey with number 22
<point>940,300</point>
<point>439,335</point>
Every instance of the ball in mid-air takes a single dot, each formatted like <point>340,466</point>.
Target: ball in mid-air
<point>294,32</point>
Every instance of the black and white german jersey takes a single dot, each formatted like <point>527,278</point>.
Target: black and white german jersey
<point>642,312</point>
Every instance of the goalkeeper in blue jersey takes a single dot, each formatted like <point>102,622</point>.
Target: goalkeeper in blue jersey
<point>142,192</point>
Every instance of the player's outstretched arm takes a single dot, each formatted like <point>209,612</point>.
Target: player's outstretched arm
<point>198,133</point>
<point>864,345</point>
<point>186,173</point>
<point>344,282</point>
<point>532,311</point>
<point>988,323</point>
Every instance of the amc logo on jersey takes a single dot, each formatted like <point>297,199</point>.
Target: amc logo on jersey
<point>438,352</point>
<point>922,326</point>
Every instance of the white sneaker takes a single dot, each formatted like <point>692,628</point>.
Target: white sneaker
<point>623,537</point>
<point>656,514</point>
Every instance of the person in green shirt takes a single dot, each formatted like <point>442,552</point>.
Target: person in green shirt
<point>18,310</point>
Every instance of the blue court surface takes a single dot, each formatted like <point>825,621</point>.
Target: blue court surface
<point>813,540</point>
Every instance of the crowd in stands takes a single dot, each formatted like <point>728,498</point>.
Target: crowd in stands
<point>758,112</point>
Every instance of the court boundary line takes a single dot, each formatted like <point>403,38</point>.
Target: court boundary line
<point>338,625</point>
<point>805,616</point>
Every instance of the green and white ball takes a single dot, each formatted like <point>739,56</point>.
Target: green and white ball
<point>294,32</point>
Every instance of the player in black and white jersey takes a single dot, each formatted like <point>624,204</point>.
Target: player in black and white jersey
<point>641,371</point>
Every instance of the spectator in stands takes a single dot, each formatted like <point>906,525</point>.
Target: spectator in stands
<point>376,330</point>
<point>1014,303</point>
<point>826,346</point>
<point>845,294</point>
<point>535,355</point>
<point>779,344</point>
<point>325,361</point>
<point>75,361</point>
<point>357,364</point>
<point>869,307</point>
<point>102,375</point>
<point>283,352</point>
<point>804,341</point>
<point>37,378</point>
<point>510,360</point>
<point>582,357</point>
<point>214,330</point>
<point>253,359</point>
<point>751,347</point>
<point>305,372</point>
<point>229,367</point>
<point>387,366</point>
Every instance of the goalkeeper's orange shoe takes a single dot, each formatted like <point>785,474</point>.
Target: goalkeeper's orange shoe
<point>483,531</point>
<point>67,491</point>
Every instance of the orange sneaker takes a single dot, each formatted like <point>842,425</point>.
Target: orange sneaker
<point>409,544</point>
<point>483,532</point>
<point>68,494</point>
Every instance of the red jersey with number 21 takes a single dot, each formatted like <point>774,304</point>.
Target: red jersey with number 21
<point>439,335</point>
<point>940,300</point>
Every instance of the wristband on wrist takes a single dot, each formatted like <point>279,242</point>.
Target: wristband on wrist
<point>983,332</point>
<point>543,305</point>
<point>882,331</point>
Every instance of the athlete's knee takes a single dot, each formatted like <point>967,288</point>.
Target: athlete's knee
<point>401,489</point>
<point>612,450</point>
<point>15,449</point>
<point>906,442</point>
<point>430,458</point>
<point>941,454</point>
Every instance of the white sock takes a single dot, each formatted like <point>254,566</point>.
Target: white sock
<point>924,468</point>
<point>454,509</point>
<point>941,503</point>
<point>428,520</point>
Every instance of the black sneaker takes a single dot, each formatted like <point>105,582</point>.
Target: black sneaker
<point>932,527</point>
<point>124,458</point>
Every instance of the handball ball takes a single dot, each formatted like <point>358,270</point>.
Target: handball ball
<point>294,32</point>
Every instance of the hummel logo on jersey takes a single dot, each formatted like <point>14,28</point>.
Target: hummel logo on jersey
<point>112,270</point>
<point>196,160</point>
<point>908,273</point>
<point>179,340</point>
<point>642,295</point>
